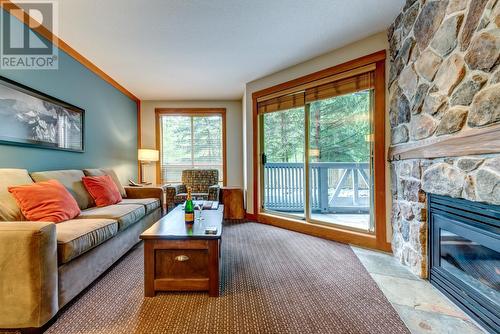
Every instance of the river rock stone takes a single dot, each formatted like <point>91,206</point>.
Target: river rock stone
<point>418,99</point>
<point>488,185</point>
<point>453,120</point>
<point>406,210</point>
<point>399,109</point>
<point>410,189</point>
<point>446,37</point>
<point>408,4</point>
<point>427,64</point>
<point>495,78</point>
<point>443,179</point>
<point>434,103</point>
<point>465,92</point>
<point>395,44</point>
<point>469,164</point>
<point>396,68</point>
<point>428,22</point>
<point>422,126</point>
<point>409,169</point>
<point>469,191</point>
<point>485,108</point>
<point>399,134</point>
<point>420,212</point>
<point>450,74</point>
<point>408,81</point>
<point>455,6</point>
<point>406,49</point>
<point>474,14</point>
<point>484,50</point>
<point>409,18</point>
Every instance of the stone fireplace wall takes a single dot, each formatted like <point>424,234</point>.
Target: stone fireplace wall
<point>444,78</point>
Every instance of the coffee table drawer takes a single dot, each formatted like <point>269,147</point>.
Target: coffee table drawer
<point>181,263</point>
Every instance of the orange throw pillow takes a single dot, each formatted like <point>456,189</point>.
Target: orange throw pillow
<point>102,189</point>
<point>45,201</point>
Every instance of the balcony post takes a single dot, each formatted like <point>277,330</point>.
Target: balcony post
<point>323,189</point>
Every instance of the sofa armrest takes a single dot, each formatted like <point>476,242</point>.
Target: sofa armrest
<point>213,192</point>
<point>145,192</point>
<point>28,283</point>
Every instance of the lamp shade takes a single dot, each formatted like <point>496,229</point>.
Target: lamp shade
<point>148,155</point>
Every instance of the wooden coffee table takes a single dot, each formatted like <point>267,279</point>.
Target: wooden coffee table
<point>179,258</point>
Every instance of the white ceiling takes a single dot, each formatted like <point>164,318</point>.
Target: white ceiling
<point>209,49</point>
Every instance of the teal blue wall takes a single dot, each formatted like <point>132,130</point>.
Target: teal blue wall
<point>110,121</point>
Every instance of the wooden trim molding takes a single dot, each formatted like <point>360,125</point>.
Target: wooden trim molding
<point>326,232</point>
<point>22,16</point>
<point>377,240</point>
<point>347,66</point>
<point>467,142</point>
<point>192,112</point>
<point>139,137</point>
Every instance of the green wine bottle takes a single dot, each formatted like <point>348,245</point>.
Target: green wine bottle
<point>189,209</point>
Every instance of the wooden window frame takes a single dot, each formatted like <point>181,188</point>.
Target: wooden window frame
<point>377,240</point>
<point>191,112</point>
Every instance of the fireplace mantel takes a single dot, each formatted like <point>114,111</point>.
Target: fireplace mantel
<point>468,142</point>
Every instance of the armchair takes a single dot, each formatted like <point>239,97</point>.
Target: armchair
<point>203,182</point>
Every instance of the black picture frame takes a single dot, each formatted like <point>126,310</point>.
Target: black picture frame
<point>42,123</point>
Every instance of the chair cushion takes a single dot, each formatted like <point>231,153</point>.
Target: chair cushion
<point>47,201</point>
<point>126,214</point>
<point>150,204</point>
<point>200,179</point>
<point>9,210</point>
<point>72,180</point>
<point>180,198</point>
<point>77,236</point>
<point>110,172</point>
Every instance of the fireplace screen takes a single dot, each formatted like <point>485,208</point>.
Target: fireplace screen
<point>464,249</point>
<point>472,263</point>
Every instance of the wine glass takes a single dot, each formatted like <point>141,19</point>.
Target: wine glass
<point>199,206</point>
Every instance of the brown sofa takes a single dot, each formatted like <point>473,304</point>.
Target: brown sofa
<point>44,265</point>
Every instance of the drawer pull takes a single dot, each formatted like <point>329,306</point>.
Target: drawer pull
<point>181,258</point>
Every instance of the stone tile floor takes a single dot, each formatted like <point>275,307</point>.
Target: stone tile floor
<point>422,307</point>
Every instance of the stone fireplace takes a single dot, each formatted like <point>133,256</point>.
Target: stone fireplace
<point>444,93</point>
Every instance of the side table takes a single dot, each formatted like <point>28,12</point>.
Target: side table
<point>232,198</point>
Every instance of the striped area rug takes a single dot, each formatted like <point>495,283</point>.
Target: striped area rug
<point>273,281</point>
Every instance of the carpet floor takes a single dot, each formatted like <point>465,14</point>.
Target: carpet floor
<point>272,281</point>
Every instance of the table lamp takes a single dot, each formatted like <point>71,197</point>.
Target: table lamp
<point>147,156</point>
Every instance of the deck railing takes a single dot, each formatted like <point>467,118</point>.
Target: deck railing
<point>336,187</point>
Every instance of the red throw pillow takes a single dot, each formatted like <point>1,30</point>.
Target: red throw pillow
<point>45,201</point>
<point>102,189</point>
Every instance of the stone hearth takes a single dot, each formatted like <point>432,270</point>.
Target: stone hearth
<point>444,79</point>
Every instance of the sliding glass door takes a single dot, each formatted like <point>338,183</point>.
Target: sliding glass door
<point>326,130</point>
<point>339,163</point>
<point>283,181</point>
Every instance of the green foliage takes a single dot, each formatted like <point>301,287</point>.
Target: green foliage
<point>339,129</point>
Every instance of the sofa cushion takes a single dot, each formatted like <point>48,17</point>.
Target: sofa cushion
<point>150,204</point>
<point>107,171</point>
<point>72,180</point>
<point>77,236</point>
<point>9,210</point>
<point>126,214</point>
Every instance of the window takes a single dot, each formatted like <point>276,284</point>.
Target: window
<point>190,139</point>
